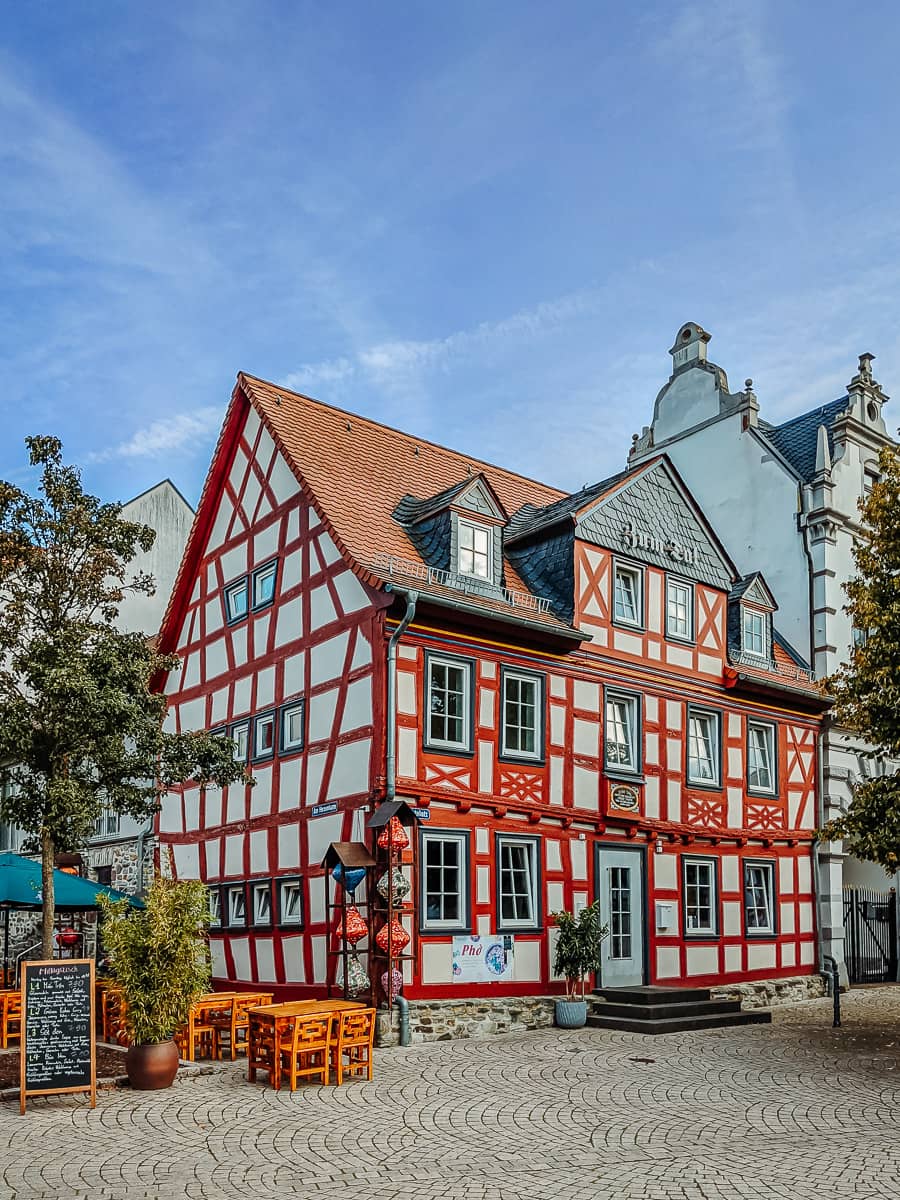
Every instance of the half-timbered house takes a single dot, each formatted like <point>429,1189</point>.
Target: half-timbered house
<point>577,694</point>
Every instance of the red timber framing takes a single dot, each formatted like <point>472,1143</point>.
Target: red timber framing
<point>565,802</point>
<point>317,638</point>
<point>310,654</point>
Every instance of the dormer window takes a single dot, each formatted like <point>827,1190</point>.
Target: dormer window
<point>476,551</point>
<point>755,636</point>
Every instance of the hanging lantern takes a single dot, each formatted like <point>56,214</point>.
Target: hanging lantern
<point>357,977</point>
<point>356,928</point>
<point>393,834</point>
<point>396,883</point>
<point>348,879</point>
<point>392,984</point>
<point>399,938</point>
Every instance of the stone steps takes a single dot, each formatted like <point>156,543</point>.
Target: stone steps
<point>654,1010</point>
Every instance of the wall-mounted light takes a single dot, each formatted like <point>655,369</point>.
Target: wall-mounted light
<point>657,846</point>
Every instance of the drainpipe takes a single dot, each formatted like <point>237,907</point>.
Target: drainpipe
<point>403,1005</point>
<point>148,828</point>
<point>391,747</point>
<point>391,758</point>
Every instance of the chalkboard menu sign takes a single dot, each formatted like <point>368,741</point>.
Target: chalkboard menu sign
<point>58,1044</point>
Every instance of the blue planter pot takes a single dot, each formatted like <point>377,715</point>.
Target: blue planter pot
<point>571,1014</point>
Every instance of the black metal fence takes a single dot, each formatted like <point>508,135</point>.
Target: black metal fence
<point>870,938</point>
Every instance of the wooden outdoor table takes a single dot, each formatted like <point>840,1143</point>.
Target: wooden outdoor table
<point>212,1002</point>
<point>272,1024</point>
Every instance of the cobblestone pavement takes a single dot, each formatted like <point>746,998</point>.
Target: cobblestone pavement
<point>794,1110</point>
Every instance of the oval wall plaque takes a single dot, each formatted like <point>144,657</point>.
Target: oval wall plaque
<point>624,797</point>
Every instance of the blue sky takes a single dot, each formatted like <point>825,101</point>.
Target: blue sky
<point>483,223</point>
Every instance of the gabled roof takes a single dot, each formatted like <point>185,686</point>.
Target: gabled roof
<point>753,588</point>
<point>795,440</point>
<point>356,472</point>
<point>411,509</point>
<point>530,520</point>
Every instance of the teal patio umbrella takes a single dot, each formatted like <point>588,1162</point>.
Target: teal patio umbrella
<point>20,888</point>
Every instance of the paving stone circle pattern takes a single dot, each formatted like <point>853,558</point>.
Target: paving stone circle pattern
<point>794,1109</point>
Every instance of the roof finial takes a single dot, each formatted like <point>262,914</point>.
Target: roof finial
<point>823,452</point>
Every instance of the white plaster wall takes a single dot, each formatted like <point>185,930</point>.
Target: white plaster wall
<point>164,509</point>
<point>751,501</point>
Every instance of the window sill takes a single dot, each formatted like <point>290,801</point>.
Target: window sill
<point>704,787</point>
<point>758,795</point>
<point>631,627</point>
<point>522,760</point>
<point>701,936</point>
<point>623,776</point>
<point>455,751</point>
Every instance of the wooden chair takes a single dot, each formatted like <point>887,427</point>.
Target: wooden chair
<point>197,1038</point>
<point>351,1049</point>
<point>112,1015</point>
<point>232,1024</point>
<point>309,1051</point>
<point>10,1018</point>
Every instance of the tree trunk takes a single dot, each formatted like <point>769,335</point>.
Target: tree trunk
<point>48,859</point>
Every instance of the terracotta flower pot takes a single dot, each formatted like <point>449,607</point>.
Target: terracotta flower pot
<point>153,1066</point>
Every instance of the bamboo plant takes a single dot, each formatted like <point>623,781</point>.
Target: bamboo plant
<point>159,956</point>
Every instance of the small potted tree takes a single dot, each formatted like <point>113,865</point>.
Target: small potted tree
<point>160,960</point>
<point>577,955</point>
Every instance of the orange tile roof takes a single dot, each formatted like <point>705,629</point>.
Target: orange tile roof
<point>358,470</point>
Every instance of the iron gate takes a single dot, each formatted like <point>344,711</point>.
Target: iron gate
<point>870,935</point>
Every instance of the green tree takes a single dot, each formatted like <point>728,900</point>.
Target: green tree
<point>80,728</point>
<point>866,690</point>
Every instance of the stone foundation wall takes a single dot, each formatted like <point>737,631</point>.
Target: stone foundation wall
<point>444,1020</point>
<point>768,993</point>
<point>122,857</point>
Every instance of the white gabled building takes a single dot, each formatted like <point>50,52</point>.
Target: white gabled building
<point>786,496</point>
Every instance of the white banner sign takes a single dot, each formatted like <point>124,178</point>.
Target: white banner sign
<point>483,959</point>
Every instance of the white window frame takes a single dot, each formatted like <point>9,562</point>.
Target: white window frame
<point>673,582</point>
<point>475,528</point>
<point>535,681</point>
<point>289,710</point>
<point>296,885</point>
<point>444,837</point>
<point>460,664</point>
<point>239,731</point>
<point>259,889</point>
<point>771,742</point>
<point>260,722</point>
<point>232,589</point>
<point>637,575</point>
<point>715,725</point>
<point>268,570</point>
<point>215,906</point>
<point>708,866</point>
<point>633,704</point>
<point>747,614</point>
<point>530,846</point>
<point>768,893</point>
<point>235,892</point>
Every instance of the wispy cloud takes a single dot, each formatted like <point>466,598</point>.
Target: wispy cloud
<point>166,436</point>
<point>394,362</point>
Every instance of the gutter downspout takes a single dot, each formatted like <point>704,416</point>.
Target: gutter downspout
<point>820,745</point>
<point>390,790</point>
<point>148,828</point>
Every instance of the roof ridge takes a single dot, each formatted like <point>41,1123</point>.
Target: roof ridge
<point>412,437</point>
<point>804,416</point>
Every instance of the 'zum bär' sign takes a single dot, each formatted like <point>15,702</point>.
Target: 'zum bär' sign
<point>58,1041</point>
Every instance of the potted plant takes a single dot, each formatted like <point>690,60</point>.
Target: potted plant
<point>577,955</point>
<point>160,960</point>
